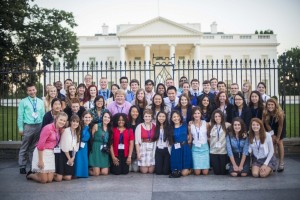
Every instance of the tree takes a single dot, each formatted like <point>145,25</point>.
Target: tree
<point>289,72</point>
<point>28,31</point>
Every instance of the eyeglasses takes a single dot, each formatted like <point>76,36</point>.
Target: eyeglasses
<point>239,99</point>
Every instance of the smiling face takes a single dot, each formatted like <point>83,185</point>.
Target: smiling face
<point>93,92</point>
<point>246,87</point>
<point>74,124</point>
<point>234,89</point>
<point>114,89</point>
<point>103,83</point>
<point>197,115</point>
<point>157,100</point>
<point>52,92</point>
<point>124,84</point>
<point>81,90</point>
<point>176,119</point>
<point>222,98</point>
<point>61,121</point>
<point>87,118</point>
<point>147,118</point>
<point>261,88</point>
<point>72,90</point>
<point>238,100</point>
<point>149,87</point>
<point>237,126</point>
<point>206,87</point>
<point>67,84</point>
<point>56,106</point>
<point>213,84</point>
<point>161,90</point>
<point>255,127</point>
<point>140,95</point>
<point>271,106</point>
<point>120,99</point>
<point>106,118</point>
<point>31,91</point>
<point>75,107</point>
<point>218,118</point>
<point>134,113</point>
<point>99,103</point>
<point>195,85</point>
<point>121,122</point>
<point>254,98</point>
<point>186,88</point>
<point>161,117</point>
<point>172,95</point>
<point>183,101</point>
<point>205,101</point>
<point>134,87</point>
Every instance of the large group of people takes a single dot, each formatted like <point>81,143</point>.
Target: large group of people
<point>85,130</point>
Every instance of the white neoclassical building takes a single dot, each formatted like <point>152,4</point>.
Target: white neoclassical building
<point>162,37</point>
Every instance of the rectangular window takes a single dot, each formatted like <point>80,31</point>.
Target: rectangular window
<point>245,37</point>
<point>263,37</point>
<point>226,37</point>
<point>209,37</point>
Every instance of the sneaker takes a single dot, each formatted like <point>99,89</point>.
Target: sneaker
<point>280,167</point>
<point>22,170</point>
<point>30,172</point>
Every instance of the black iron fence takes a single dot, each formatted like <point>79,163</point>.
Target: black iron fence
<point>14,77</point>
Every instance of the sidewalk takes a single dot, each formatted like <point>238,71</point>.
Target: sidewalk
<point>136,186</point>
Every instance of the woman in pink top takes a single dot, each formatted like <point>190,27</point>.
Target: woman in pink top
<point>43,162</point>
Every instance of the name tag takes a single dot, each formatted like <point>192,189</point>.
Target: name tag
<point>56,150</point>
<point>218,145</point>
<point>149,146</point>
<point>198,145</point>
<point>35,115</point>
<point>202,140</point>
<point>121,146</point>
<point>177,145</point>
<point>82,144</point>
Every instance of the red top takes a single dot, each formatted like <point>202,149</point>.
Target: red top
<point>146,133</point>
<point>126,138</point>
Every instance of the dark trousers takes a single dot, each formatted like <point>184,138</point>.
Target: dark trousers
<point>162,161</point>
<point>122,168</point>
<point>218,163</point>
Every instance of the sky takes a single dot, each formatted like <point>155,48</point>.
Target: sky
<point>232,16</point>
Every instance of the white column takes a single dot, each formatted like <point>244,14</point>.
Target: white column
<point>147,60</point>
<point>197,53</point>
<point>172,54</point>
<point>122,58</point>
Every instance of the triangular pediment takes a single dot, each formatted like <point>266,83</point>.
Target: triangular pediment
<point>158,27</point>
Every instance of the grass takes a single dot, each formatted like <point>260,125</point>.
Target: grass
<point>9,130</point>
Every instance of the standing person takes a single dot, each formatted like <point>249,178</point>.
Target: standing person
<point>206,91</point>
<point>247,89</point>
<point>88,80</point>
<point>58,86</point>
<point>124,84</point>
<point>206,108</point>
<point>161,89</point>
<point>261,147</point>
<point>256,105</point>
<point>223,104</point>
<point>149,85</point>
<point>71,93</point>
<point>121,145</point>
<point>184,107</point>
<point>261,87</point>
<point>195,91</point>
<point>234,89</point>
<point>30,116</point>
<point>157,105</point>
<point>51,94</point>
<point>240,109</point>
<point>134,86</point>
<point>75,108</point>
<point>172,100</point>
<point>237,144</point>
<point>67,83</point>
<point>217,134</point>
<point>99,154</point>
<point>81,160</point>
<point>114,88</point>
<point>186,90</point>
<point>273,118</point>
<point>140,100</point>
<point>182,80</point>
<point>214,86</point>
<point>43,162</point>
<point>81,91</point>
<point>163,139</point>
<point>200,150</point>
<point>104,91</point>
<point>144,143</point>
<point>222,86</point>
<point>69,144</point>
<point>181,155</point>
<point>51,115</point>
<point>88,103</point>
<point>119,105</point>
<point>99,109</point>
<point>134,119</point>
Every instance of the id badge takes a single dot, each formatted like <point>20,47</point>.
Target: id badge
<point>56,150</point>
<point>35,115</point>
<point>160,146</point>
<point>218,145</point>
<point>198,144</point>
<point>177,145</point>
<point>121,146</point>
<point>149,146</point>
<point>82,144</point>
<point>202,140</point>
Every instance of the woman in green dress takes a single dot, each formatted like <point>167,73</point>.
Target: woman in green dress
<point>99,155</point>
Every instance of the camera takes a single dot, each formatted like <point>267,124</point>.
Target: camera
<point>105,149</point>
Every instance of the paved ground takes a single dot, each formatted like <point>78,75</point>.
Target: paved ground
<point>284,185</point>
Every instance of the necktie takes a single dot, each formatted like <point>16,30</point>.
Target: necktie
<point>195,94</point>
<point>104,95</point>
<point>173,104</point>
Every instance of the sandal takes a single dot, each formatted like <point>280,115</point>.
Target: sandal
<point>280,167</point>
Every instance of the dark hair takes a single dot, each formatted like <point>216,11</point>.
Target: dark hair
<point>123,77</point>
<point>161,84</point>
<point>138,120</point>
<point>188,100</point>
<point>172,88</point>
<point>213,79</point>
<point>144,101</point>
<point>30,85</point>
<point>54,100</point>
<point>172,113</point>
<point>78,129</point>
<point>242,132</point>
<point>194,80</point>
<point>260,100</point>
<point>218,97</point>
<point>90,126</point>
<point>194,109</point>
<point>244,102</point>
<point>221,83</point>
<point>162,105</point>
<point>116,118</point>
<point>134,81</point>
<point>206,82</point>
<point>213,122</point>
<point>168,133</point>
<point>111,94</point>
<point>68,79</point>
<point>149,81</point>
<point>209,108</point>
<point>262,131</point>
<point>88,96</point>
<point>81,85</point>
<point>261,83</point>
<point>97,99</point>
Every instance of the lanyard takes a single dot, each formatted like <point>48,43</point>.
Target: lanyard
<point>161,135</point>
<point>118,109</point>
<point>218,131</point>
<point>258,146</point>
<point>121,140</point>
<point>33,104</point>
<point>56,138</point>
<point>73,142</point>
<point>198,132</point>
<point>148,131</point>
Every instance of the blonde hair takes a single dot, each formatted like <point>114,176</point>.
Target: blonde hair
<point>278,113</point>
<point>48,98</point>
<point>120,92</point>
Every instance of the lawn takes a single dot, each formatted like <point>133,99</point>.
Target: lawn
<point>9,131</point>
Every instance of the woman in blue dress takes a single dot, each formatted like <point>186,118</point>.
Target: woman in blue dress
<point>181,155</point>
<point>81,159</point>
